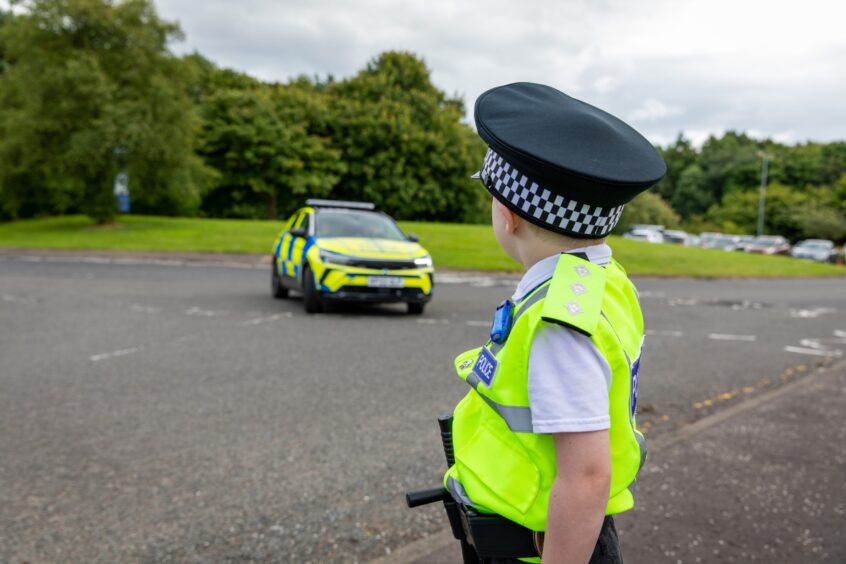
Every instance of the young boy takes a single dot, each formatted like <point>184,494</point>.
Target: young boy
<point>547,436</point>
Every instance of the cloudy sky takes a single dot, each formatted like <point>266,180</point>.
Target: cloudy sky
<point>771,68</point>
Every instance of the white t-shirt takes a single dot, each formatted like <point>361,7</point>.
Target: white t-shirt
<point>568,377</point>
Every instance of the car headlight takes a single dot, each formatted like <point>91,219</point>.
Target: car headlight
<point>335,258</point>
<point>423,262</point>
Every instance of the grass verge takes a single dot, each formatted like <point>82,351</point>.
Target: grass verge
<point>466,247</point>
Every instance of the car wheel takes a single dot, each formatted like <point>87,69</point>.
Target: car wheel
<point>311,299</point>
<point>416,308</point>
<point>276,288</point>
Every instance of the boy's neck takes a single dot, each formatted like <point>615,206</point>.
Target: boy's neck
<point>540,248</point>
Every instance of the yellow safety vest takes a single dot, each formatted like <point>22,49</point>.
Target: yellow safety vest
<point>501,466</point>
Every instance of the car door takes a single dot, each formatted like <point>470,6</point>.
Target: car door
<point>300,245</point>
<point>284,247</point>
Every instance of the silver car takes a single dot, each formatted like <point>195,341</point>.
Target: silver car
<point>819,250</point>
<point>640,234</point>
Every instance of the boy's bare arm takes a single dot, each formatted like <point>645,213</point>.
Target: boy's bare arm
<point>578,497</point>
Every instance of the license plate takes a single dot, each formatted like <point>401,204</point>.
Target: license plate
<point>385,282</point>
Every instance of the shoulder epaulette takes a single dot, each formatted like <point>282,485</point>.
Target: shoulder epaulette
<point>618,265</point>
<point>575,294</point>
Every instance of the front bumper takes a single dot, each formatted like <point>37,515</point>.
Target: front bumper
<point>350,283</point>
<point>377,295</point>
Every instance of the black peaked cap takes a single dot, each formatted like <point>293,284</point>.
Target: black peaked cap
<point>566,145</point>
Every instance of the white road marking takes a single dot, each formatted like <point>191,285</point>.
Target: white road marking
<point>659,333</point>
<point>746,304</point>
<point>840,334</point>
<point>478,323</point>
<point>201,312</point>
<point>682,302</point>
<point>260,320</point>
<point>477,280</point>
<point>814,352</point>
<point>113,354</point>
<point>433,321</point>
<point>727,337</point>
<point>649,294</point>
<point>137,261</point>
<point>812,344</point>
<point>811,313</point>
<point>145,309</point>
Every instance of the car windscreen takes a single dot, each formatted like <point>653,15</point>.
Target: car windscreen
<point>350,223</point>
<point>768,241</point>
<point>817,245</point>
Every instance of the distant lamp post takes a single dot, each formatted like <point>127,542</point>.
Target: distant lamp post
<point>121,190</point>
<point>121,181</point>
<point>762,201</point>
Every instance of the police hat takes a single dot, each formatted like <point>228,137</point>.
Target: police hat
<point>560,163</point>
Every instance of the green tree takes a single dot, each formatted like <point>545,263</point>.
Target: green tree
<point>678,157</point>
<point>691,196</point>
<point>5,19</point>
<point>802,165</point>
<point>838,194</point>
<point>834,163</point>
<point>404,143</point>
<point>729,163</point>
<point>257,139</point>
<point>818,222</point>
<point>206,78</point>
<point>788,212</point>
<point>650,208</point>
<point>92,87</point>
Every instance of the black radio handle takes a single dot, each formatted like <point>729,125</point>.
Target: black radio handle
<point>423,497</point>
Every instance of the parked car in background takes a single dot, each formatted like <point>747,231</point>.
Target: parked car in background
<point>649,226</point>
<point>641,234</point>
<point>706,237</point>
<point>743,241</point>
<point>676,237</point>
<point>769,245</point>
<point>820,250</point>
<point>719,241</point>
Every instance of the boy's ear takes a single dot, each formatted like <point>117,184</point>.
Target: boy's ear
<point>509,218</point>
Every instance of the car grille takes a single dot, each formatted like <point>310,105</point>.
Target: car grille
<point>404,292</point>
<point>381,264</point>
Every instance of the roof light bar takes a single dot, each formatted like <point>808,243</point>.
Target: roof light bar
<point>340,204</point>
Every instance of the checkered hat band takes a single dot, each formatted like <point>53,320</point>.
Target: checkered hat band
<point>544,206</point>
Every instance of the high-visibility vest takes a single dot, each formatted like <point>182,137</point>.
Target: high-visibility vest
<point>501,466</point>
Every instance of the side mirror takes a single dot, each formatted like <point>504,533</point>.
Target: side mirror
<point>298,232</point>
<point>412,237</point>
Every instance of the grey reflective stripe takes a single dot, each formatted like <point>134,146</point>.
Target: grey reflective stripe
<point>641,442</point>
<point>457,491</point>
<point>524,306</point>
<point>518,419</point>
<point>532,300</point>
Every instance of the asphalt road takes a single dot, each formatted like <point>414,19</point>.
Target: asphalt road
<point>157,413</point>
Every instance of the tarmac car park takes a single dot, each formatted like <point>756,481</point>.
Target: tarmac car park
<point>334,251</point>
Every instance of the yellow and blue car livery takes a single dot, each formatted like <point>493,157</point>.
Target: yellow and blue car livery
<point>347,251</point>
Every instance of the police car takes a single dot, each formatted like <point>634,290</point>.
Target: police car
<point>347,251</point>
